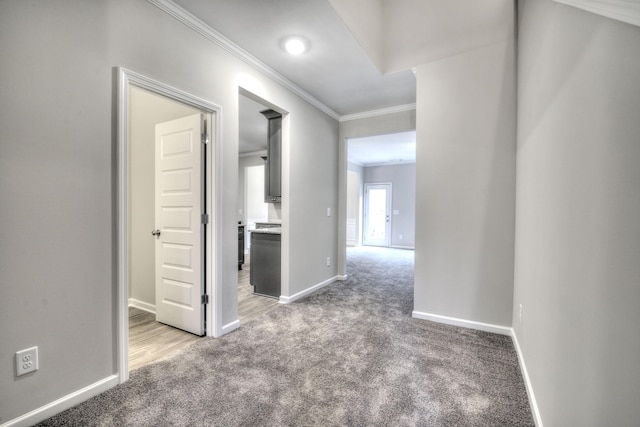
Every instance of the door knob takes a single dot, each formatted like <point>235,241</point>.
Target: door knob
<point>155,233</point>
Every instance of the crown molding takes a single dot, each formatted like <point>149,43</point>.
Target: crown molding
<point>622,10</point>
<point>380,112</point>
<point>223,42</point>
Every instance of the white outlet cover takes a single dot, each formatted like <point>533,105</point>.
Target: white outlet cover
<point>26,361</point>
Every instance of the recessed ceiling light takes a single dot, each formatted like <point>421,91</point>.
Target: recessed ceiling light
<point>295,45</point>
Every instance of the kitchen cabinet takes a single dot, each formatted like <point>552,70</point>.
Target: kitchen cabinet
<point>265,263</point>
<point>273,162</point>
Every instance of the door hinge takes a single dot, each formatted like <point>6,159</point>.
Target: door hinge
<point>205,138</point>
<point>204,299</point>
<point>204,218</point>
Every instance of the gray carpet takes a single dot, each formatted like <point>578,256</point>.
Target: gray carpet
<point>349,355</point>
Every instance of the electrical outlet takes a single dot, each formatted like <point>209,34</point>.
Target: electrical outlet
<point>328,261</point>
<point>26,361</point>
<point>328,211</point>
<point>520,313</point>
<point>401,237</point>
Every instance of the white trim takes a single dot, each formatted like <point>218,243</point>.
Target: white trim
<point>122,352</point>
<point>471,324</point>
<point>254,153</point>
<point>412,248</point>
<point>65,402</point>
<point>141,305</point>
<point>342,278</point>
<point>621,10</point>
<point>392,163</point>
<point>380,112</point>
<point>230,327</point>
<point>213,284</point>
<point>212,35</point>
<point>527,381</point>
<point>312,289</point>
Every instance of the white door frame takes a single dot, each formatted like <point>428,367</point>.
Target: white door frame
<point>213,259</point>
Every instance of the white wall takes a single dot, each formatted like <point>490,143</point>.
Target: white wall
<point>465,194</point>
<point>403,193</point>
<point>58,179</point>
<point>354,206</point>
<point>145,111</point>
<point>577,271</point>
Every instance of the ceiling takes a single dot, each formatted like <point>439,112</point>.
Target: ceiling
<point>335,70</point>
<point>338,75</point>
<point>395,148</point>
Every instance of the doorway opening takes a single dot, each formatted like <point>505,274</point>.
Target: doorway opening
<point>168,255</point>
<point>254,210</point>
<point>380,199</point>
<point>376,216</point>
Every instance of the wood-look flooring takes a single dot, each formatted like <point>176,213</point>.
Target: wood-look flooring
<point>250,305</point>
<point>150,341</point>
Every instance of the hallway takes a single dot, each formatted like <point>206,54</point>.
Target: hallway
<point>349,354</point>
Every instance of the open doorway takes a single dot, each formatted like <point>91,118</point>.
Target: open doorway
<point>167,191</point>
<point>380,201</point>
<point>254,210</point>
<point>162,314</point>
<point>376,215</point>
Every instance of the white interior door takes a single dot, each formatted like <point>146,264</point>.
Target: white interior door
<point>377,214</point>
<point>179,232</point>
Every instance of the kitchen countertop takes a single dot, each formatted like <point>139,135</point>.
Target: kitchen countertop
<point>271,230</point>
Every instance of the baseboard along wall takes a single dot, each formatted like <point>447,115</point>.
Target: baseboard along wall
<point>301,294</point>
<point>144,306</point>
<point>497,329</point>
<point>487,327</point>
<point>527,382</point>
<point>66,402</point>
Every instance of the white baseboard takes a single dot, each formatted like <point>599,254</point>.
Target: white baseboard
<point>527,382</point>
<point>63,403</point>
<point>502,330</point>
<point>144,306</point>
<point>402,247</point>
<point>230,327</point>
<point>471,324</point>
<point>312,289</point>
<point>342,277</point>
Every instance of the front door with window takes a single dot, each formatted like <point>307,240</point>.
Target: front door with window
<point>377,219</point>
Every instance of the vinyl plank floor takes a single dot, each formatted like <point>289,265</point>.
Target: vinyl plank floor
<point>150,341</point>
<point>250,305</point>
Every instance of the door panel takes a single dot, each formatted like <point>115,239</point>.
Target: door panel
<point>179,204</point>
<point>377,214</point>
